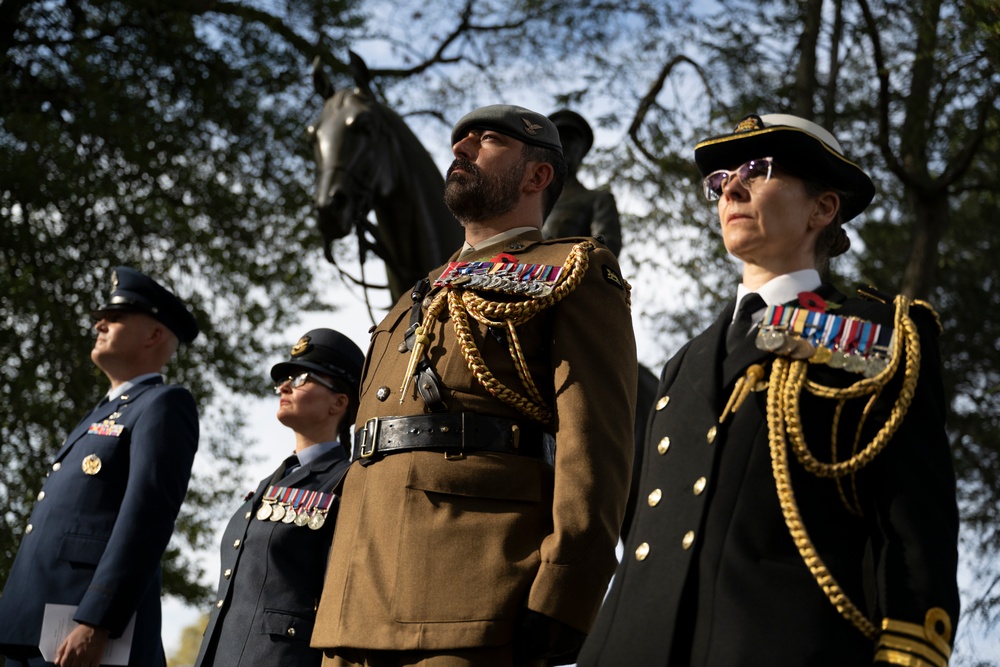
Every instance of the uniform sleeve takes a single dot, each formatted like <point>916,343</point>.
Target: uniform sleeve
<point>594,369</point>
<point>916,515</point>
<point>162,448</point>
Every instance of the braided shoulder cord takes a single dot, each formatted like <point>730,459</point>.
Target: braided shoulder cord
<point>784,423</point>
<point>463,303</point>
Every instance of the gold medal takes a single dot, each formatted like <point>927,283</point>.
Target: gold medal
<point>278,513</point>
<point>821,355</point>
<point>289,517</point>
<point>301,519</point>
<point>264,513</point>
<point>92,464</point>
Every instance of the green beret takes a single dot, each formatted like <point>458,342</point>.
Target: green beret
<point>517,122</point>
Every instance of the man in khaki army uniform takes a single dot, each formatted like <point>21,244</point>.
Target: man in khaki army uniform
<point>464,537</point>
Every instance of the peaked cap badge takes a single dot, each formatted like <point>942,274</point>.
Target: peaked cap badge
<point>750,123</point>
<point>530,128</point>
<point>301,347</point>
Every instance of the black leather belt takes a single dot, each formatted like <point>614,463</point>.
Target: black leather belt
<point>455,434</point>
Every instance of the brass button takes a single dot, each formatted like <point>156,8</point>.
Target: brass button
<point>711,435</point>
<point>236,544</point>
<point>383,393</point>
<point>56,465</point>
<point>699,486</point>
<point>688,539</point>
<point>290,632</point>
<point>663,445</point>
<point>642,551</point>
<point>248,515</point>
<point>662,403</point>
<point>654,497</point>
<point>27,531</point>
<point>228,573</point>
<point>220,603</point>
<point>41,495</point>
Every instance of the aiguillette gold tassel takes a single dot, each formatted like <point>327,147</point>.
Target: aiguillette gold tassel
<point>420,342</point>
<point>742,389</point>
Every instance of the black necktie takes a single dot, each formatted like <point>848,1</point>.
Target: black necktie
<point>286,467</point>
<point>740,327</point>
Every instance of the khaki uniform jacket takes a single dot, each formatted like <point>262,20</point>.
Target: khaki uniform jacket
<point>432,553</point>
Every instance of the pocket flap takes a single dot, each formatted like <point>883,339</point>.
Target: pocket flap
<point>500,476</point>
<point>287,625</point>
<point>86,549</point>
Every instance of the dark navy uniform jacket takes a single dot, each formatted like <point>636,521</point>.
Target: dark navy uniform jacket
<point>272,577</point>
<point>710,575</point>
<point>96,540</point>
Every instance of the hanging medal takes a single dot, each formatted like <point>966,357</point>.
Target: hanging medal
<point>264,513</point>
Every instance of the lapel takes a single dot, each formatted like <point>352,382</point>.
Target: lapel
<point>704,358</point>
<point>317,467</point>
<point>115,405</point>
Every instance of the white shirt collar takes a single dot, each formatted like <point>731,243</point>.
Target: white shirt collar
<point>124,387</point>
<point>784,288</point>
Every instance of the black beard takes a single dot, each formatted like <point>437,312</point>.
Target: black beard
<point>473,197</point>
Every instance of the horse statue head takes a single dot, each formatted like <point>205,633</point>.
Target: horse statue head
<point>369,159</point>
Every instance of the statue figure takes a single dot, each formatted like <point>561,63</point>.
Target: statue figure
<point>581,211</point>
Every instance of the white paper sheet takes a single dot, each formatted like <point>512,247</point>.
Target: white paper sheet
<point>58,622</point>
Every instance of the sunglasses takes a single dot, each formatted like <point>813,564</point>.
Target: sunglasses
<point>299,380</point>
<point>747,173</point>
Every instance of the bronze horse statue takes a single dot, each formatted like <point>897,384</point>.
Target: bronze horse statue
<point>368,158</point>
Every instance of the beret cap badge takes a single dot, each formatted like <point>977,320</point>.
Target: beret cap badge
<point>531,128</point>
<point>301,347</point>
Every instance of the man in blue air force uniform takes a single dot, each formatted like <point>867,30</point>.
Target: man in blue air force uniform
<point>107,508</point>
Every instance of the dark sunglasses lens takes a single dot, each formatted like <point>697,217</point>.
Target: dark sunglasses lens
<point>754,169</point>
<point>715,181</point>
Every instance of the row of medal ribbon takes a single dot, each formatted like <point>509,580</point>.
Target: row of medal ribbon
<point>534,280</point>
<point>839,341</point>
<point>299,506</point>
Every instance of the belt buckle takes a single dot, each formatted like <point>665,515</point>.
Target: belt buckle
<point>367,449</point>
<point>460,454</point>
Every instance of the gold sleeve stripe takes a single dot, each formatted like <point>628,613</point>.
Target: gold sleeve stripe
<point>930,633</point>
<point>916,649</point>
<point>897,658</point>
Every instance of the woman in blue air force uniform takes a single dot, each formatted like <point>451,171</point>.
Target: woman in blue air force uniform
<point>274,550</point>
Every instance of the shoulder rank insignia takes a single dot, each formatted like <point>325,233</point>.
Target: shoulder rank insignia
<point>839,341</point>
<point>533,280</point>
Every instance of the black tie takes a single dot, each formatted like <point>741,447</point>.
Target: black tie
<point>740,327</point>
<point>286,466</point>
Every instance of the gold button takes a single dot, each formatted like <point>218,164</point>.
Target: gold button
<point>27,530</point>
<point>220,603</point>
<point>228,573</point>
<point>662,403</point>
<point>654,497</point>
<point>41,494</point>
<point>642,551</point>
<point>699,486</point>
<point>711,434</point>
<point>236,544</point>
<point>248,515</point>
<point>290,632</point>
<point>688,539</point>
<point>663,445</point>
<point>56,465</point>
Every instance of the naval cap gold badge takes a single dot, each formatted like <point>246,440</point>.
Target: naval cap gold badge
<point>92,464</point>
<point>301,347</point>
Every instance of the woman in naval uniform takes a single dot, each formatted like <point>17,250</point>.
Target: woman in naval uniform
<point>274,550</point>
<point>797,500</point>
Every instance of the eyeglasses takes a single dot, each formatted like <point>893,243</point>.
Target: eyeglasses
<point>299,380</point>
<point>748,173</point>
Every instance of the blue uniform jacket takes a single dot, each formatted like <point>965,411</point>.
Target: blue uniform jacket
<point>710,574</point>
<point>271,578</point>
<point>103,519</point>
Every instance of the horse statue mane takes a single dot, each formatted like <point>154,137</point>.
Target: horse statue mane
<point>369,159</point>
